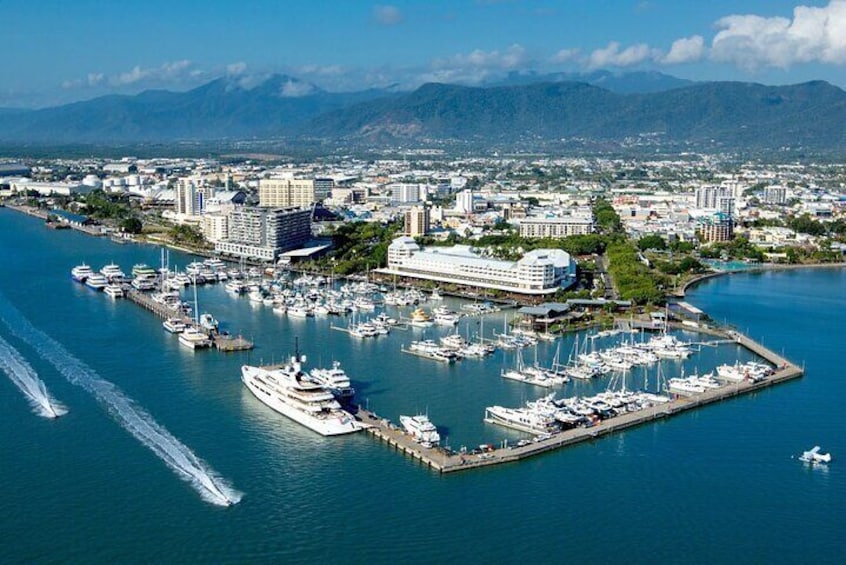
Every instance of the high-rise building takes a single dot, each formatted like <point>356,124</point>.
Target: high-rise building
<point>417,221</point>
<point>557,227</point>
<point>264,233</point>
<point>323,188</point>
<point>191,198</point>
<point>287,192</point>
<point>215,226</point>
<point>775,195</point>
<point>464,202</point>
<point>718,227</point>
<point>708,196</point>
<point>404,193</point>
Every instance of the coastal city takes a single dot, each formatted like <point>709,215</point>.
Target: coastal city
<point>502,281</point>
<point>607,247</point>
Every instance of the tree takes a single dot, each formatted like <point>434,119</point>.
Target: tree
<point>131,225</point>
<point>651,242</point>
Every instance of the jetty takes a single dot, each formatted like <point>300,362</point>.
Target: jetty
<point>448,461</point>
<point>221,342</point>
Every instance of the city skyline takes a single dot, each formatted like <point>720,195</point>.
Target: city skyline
<point>65,53</point>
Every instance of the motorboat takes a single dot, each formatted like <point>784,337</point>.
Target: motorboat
<point>421,429</point>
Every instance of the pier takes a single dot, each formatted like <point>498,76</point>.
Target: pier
<point>221,342</point>
<point>445,461</point>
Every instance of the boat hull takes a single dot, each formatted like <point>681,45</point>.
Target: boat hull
<point>344,424</point>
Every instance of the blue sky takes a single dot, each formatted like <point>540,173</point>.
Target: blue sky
<point>58,51</point>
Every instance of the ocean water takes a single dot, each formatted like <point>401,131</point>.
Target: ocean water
<point>717,485</point>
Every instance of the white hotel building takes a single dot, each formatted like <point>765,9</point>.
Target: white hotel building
<point>542,271</point>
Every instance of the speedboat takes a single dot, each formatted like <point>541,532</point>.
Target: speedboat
<point>814,456</point>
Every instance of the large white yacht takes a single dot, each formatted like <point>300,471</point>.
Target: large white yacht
<point>335,380</point>
<point>291,392</point>
<point>194,338</point>
<point>421,429</point>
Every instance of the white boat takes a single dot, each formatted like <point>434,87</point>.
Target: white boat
<point>208,322</point>
<point>814,456</point>
<point>112,272</point>
<point>114,290</point>
<point>292,393</point>
<point>142,269</point>
<point>81,272</point>
<point>523,419</point>
<point>193,338</point>
<point>174,325</point>
<point>421,429</point>
<point>335,380</point>
<point>97,281</point>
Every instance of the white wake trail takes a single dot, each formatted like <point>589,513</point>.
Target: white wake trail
<point>132,417</point>
<point>26,379</point>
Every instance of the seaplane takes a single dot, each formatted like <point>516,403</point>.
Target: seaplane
<point>814,456</point>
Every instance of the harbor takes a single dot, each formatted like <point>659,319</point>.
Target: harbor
<point>447,461</point>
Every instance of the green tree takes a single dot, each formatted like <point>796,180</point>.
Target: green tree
<point>651,242</point>
<point>131,225</point>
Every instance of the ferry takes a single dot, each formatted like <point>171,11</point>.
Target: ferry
<point>97,281</point>
<point>113,273</point>
<point>81,272</point>
<point>421,429</point>
<point>114,290</point>
<point>289,391</point>
<point>142,269</point>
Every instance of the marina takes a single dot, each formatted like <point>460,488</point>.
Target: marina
<point>446,461</point>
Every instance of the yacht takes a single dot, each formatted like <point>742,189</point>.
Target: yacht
<point>289,391</point>
<point>81,272</point>
<point>97,281</point>
<point>420,318</point>
<point>174,325</point>
<point>194,338</point>
<point>524,419</point>
<point>335,380</point>
<point>446,317</point>
<point>421,429</point>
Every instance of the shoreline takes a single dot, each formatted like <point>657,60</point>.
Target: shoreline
<point>765,267</point>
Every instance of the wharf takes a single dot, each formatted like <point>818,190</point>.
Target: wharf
<point>447,462</point>
<point>221,342</point>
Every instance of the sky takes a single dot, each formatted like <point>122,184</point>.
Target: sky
<point>59,51</point>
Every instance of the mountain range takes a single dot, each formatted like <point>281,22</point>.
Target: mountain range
<point>522,107</point>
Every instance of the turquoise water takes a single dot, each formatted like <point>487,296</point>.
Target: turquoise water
<point>716,485</point>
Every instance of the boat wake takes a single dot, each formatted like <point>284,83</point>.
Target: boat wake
<point>129,415</point>
<point>26,379</point>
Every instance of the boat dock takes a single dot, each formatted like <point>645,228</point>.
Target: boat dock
<point>221,342</point>
<point>445,461</point>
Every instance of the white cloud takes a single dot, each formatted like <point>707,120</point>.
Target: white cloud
<point>387,15</point>
<point>236,69</point>
<point>295,89</point>
<point>170,72</point>
<point>566,55</point>
<point>685,50</point>
<point>612,56</point>
<point>812,35</point>
<point>476,66</point>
